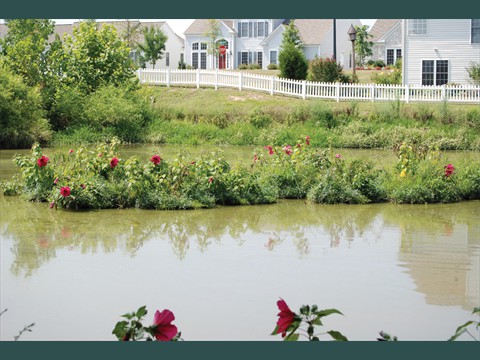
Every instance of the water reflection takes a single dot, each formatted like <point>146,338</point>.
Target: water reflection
<point>439,244</point>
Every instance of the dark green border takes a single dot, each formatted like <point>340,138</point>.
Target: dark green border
<point>186,9</point>
<point>238,350</point>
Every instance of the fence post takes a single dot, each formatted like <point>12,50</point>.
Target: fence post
<point>240,81</point>
<point>304,89</point>
<point>216,79</point>
<point>272,85</point>
<point>168,77</point>
<point>407,93</point>
<point>198,78</point>
<point>337,91</point>
<point>372,92</point>
<point>444,92</point>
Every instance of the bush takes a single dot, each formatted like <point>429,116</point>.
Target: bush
<point>293,63</point>
<point>474,73</point>
<point>22,119</point>
<point>326,70</point>
<point>259,119</point>
<point>243,67</point>
<point>272,67</point>
<point>254,67</point>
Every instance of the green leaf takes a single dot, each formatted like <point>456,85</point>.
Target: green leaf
<point>291,337</point>
<point>337,336</point>
<point>120,329</point>
<point>315,338</point>
<point>317,321</point>
<point>141,312</point>
<point>275,331</point>
<point>327,312</point>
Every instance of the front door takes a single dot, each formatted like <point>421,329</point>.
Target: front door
<point>221,61</point>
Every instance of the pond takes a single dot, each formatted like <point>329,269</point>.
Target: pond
<point>410,270</point>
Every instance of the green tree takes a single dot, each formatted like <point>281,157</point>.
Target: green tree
<point>22,119</point>
<point>292,61</point>
<point>363,47</point>
<point>154,45</point>
<point>24,45</point>
<point>213,33</point>
<point>291,35</point>
<point>130,33</point>
<point>92,58</point>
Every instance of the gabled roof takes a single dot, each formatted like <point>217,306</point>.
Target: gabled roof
<point>381,27</point>
<point>312,31</point>
<point>200,26</point>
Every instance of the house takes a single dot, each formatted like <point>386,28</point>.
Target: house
<point>258,41</point>
<point>174,46</point>
<point>387,40</point>
<point>438,51</point>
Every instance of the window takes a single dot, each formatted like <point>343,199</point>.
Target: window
<point>417,27</point>
<point>475,31</point>
<point>390,57</point>
<point>399,54</point>
<point>195,60</point>
<point>244,58</point>
<point>243,29</point>
<point>434,72</point>
<point>203,60</point>
<point>273,57</point>
<point>260,59</point>
<point>261,29</point>
<point>203,46</point>
<point>195,46</point>
<point>181,58</point>
<point>167,59</point>
<point>253,29</point>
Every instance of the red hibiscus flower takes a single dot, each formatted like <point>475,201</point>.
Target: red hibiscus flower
<point>164,330</point>
<point>156,159</point>
<point>287,149</point>
<point>42,161</point>
<point>307,140</point>
<point>70,151</point>
<point>113,162</point>
<point>449,170</point>
<point>270,149</point>
<point>52,204</point>
<point>65,191</point>
<point>285,317</point>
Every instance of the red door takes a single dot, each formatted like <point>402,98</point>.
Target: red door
<point>221,61</point>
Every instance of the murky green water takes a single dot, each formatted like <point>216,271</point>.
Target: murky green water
<point>410,270</point>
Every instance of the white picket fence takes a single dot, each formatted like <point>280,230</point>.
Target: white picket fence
<point>308,89</point>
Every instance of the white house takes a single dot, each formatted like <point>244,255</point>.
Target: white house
<point>387,40</point>
<point>258,41</point>
<point>438,51</point>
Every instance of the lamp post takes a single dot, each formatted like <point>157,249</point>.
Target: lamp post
<point>353,36</point>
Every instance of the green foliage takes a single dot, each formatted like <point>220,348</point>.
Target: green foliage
<point>22,119</point>
<point>291,35</point>
<point>92,58</point>
<point>474,73</point>
<point>24,45</point>
<point>293,63</point>
<point>464,329</point>
<point>363,47</point>
<point>326,70</point>
<point>213,33</point>
<point>272,67</point>
<point>153,47</point>
<point>387,77</point>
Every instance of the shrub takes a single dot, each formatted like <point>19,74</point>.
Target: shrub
<point>272,67</point>
<point>22,119</point>
<point>259,119</point>
<point>293,63</point>
<point>243,67</point>
<point>474,73</point>
<point>326,70</point>
<point>254,67</point>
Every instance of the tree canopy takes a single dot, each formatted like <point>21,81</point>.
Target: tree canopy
<point>153,47</point>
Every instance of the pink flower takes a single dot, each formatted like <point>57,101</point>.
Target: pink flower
<point>164,330</point>
<point>65,191</point>
<point>156,159</point>
<point>270,149</point>
<point>287,149</point>
<point>52,204</point>
<point>42,161</point>
<point>55,181</point>
<point>70,151</point>
<point>255,158</point>
<point>192,163</point>
<point>285,317</point>
<point>338,156</point>
<point>113,162</point>
<point>307,140</point>
<point>100,155</point>
<point>449,170</point>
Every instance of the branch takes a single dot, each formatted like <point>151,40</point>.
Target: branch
<point>26,328</point>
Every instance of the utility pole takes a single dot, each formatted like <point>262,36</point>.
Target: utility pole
<point>335,39</point>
